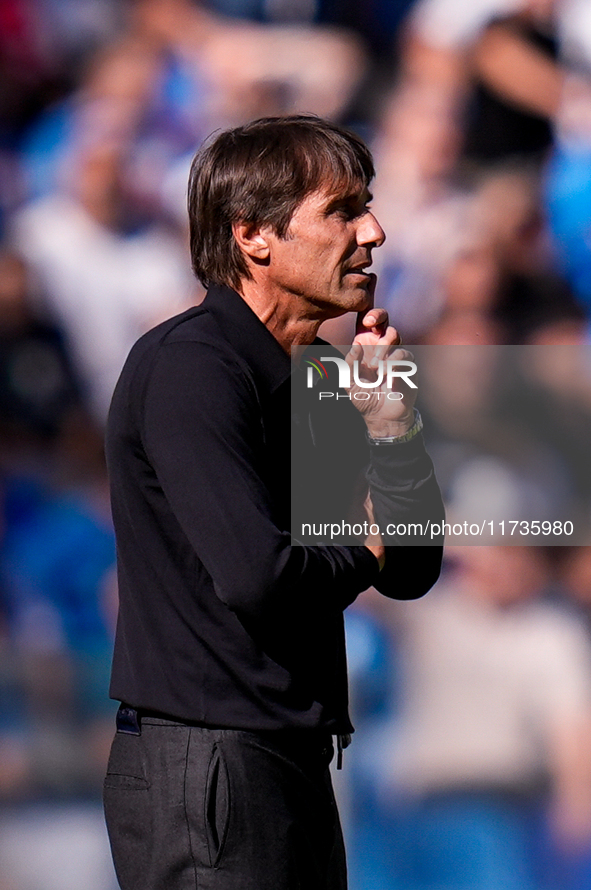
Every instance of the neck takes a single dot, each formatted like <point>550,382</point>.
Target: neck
<point>286,316</point>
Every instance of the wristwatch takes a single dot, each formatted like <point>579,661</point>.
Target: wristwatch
<point>405,437</point>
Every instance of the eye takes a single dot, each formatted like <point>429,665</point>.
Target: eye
<point>350,211</point>
<point>350,207</point>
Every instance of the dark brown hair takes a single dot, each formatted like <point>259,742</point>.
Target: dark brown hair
<point>260,173</point>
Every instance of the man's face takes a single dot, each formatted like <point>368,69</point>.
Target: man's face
<point>324,255</point>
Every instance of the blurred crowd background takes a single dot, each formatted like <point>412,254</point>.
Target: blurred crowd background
<point>471,767</point>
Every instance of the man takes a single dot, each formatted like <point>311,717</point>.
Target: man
<point>229,658</point>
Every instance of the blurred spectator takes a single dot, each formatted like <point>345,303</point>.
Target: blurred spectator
<point>498,56</point>
<point>117,90</point>
<point>521,71</point>
<point>57,557</point>
<point>568,193</point>
<point>425,216</point>
<point>37,385</point>
<point>528,295</point>
<point>493,735</point>
<point>486,427</point>
<point>377,22</point>
<point>178,72</point>
<point>518,86</point>
<point>103,280</point>
<point>575,577</point>
<point>374,677</point>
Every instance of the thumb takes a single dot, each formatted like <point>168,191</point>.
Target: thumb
<point>374,320</point>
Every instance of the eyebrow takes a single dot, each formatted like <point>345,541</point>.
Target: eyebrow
<point>365,197</point>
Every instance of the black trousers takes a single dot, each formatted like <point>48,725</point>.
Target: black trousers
<point>189,808</point>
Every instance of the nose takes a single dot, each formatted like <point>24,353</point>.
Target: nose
<point>370,231</point>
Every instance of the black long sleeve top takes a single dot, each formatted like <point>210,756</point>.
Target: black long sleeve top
<point>222,621</point>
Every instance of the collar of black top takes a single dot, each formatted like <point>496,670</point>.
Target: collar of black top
<point>248,335</point>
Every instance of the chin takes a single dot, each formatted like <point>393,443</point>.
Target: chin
<point>358,299</point>
<point>363,302</point>
<point>364,295</point>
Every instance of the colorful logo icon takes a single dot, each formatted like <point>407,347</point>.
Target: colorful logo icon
<point>315,365</point>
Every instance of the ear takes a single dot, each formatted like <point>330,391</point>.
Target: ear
<point>252,240</point>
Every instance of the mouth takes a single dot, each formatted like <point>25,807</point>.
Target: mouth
<point>359,272</point>
<point>360,269</point>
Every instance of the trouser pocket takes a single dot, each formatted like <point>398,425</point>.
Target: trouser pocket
<point>128,816</point>
<point>217,806</point>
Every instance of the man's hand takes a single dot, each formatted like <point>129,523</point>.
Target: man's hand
<point>376,342</point>
<point>372,329</point>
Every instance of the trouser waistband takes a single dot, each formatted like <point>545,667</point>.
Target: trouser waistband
<point>129,721</point>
